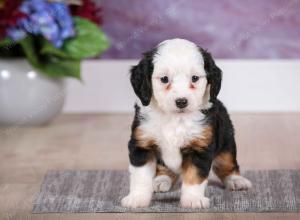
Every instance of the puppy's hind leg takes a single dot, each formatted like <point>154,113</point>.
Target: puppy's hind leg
<point>164,179</point>
<point>226,168</point>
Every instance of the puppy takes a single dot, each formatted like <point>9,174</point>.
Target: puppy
<point>180,128</point>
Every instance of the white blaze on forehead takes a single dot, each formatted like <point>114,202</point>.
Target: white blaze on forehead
<point>178,56</point>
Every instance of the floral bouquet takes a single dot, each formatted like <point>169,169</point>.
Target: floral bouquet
<point>54,35</point>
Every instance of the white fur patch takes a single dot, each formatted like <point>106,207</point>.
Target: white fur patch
<point>237,182</point>
<point>179,60</point>
<point>141,186</point>
<point>162,183</point>
<point>192,196</point>
<point>171,132</point>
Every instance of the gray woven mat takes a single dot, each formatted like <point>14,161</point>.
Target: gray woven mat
<point>101,191</point>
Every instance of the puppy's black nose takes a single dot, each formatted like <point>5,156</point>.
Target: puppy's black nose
<point>181,102</point>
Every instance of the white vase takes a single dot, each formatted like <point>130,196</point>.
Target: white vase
<point>26,96</point>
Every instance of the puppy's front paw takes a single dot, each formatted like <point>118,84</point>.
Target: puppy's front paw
<point>237,182</point>
<point>162,183</point>
<point>136,201</point>
<point>194,201</point>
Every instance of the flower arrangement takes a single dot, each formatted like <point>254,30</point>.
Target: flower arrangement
<point>54,35</point>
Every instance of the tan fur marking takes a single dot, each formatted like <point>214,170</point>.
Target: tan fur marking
<point>162,170</point>
<point>192,86</point>
<point>204,140</point>
<point>223,165</point>
<point>143,140</point>
<point>168,87</point>
<point>190,174</point>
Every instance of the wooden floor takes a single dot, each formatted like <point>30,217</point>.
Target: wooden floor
<point>265,141</point>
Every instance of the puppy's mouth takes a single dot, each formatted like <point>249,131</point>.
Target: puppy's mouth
<point>181,111</point>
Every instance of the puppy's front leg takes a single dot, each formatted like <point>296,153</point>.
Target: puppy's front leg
<point>142,171</point>
<point>195,170</point>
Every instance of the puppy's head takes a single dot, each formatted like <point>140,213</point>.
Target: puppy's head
<point>177,76</point>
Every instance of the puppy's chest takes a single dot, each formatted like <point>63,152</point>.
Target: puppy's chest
<point>171,135</point>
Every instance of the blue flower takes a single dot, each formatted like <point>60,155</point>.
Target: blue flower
<point>52,20</point>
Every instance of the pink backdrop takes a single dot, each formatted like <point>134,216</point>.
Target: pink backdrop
<point>228,28</point>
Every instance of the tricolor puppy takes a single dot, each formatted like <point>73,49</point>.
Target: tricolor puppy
<point>180,128</point>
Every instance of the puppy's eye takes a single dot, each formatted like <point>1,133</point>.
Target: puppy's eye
<point>164,79</point>
<point>195,78</point>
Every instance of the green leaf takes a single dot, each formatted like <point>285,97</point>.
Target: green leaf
<point>58,68</point>
<point>9,49</point>
<point>30,50</point>
<point>49,49</point>
<point>6,42</point>
<point>49,64</point>
<point>89,41</point>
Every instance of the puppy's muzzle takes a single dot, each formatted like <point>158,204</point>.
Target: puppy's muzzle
<point>181,103</point>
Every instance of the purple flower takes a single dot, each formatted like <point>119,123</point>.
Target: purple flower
<point>52,20</point>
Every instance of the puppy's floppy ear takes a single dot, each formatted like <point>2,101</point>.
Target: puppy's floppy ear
<point>140,78</point>
<point>214,75</point>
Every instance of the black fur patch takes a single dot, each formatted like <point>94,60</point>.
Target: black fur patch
<point>223,140</point>
<point>140,78</point>
<point>201,159</point>
<point>138,156</point>
<point>214,75</point>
